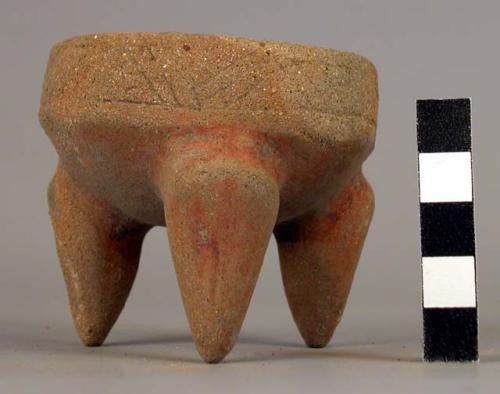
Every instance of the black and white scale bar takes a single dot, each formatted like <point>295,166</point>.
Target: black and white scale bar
<point>447,230</point>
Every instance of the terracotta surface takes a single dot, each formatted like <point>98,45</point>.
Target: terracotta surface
<point>224,141</point>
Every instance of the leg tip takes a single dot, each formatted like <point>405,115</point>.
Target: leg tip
<point>214,354</point>
<point>317,338</point>
<point>92,343</point>
<point>213,358</point>
<point>214,343</point>
<point>316,344</point>
<point>91,337</point>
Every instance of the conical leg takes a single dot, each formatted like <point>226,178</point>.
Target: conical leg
<point>99,253</point>
<point>220,214</point>
<point>318,256</point>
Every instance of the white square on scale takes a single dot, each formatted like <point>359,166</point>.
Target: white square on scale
<point>449,282</point>
<point>445,177</point>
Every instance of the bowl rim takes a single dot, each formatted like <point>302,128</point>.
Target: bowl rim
<point>131,37</point>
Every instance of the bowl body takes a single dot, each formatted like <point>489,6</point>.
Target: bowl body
<point>112,102</point>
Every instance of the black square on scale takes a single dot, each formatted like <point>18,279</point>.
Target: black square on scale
<point>447,229</point>
<point>443,125</point>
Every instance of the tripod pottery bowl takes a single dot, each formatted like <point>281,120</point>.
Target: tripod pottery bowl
<point>224,141</point>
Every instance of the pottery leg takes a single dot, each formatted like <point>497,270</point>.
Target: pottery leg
<point>319,254</point>
<point>220,214</point>
<point>99,253</point>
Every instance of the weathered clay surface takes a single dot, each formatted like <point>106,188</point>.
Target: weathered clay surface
<point>224,141</point>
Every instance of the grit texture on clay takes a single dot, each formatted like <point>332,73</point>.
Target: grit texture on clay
<point>223,141</point>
